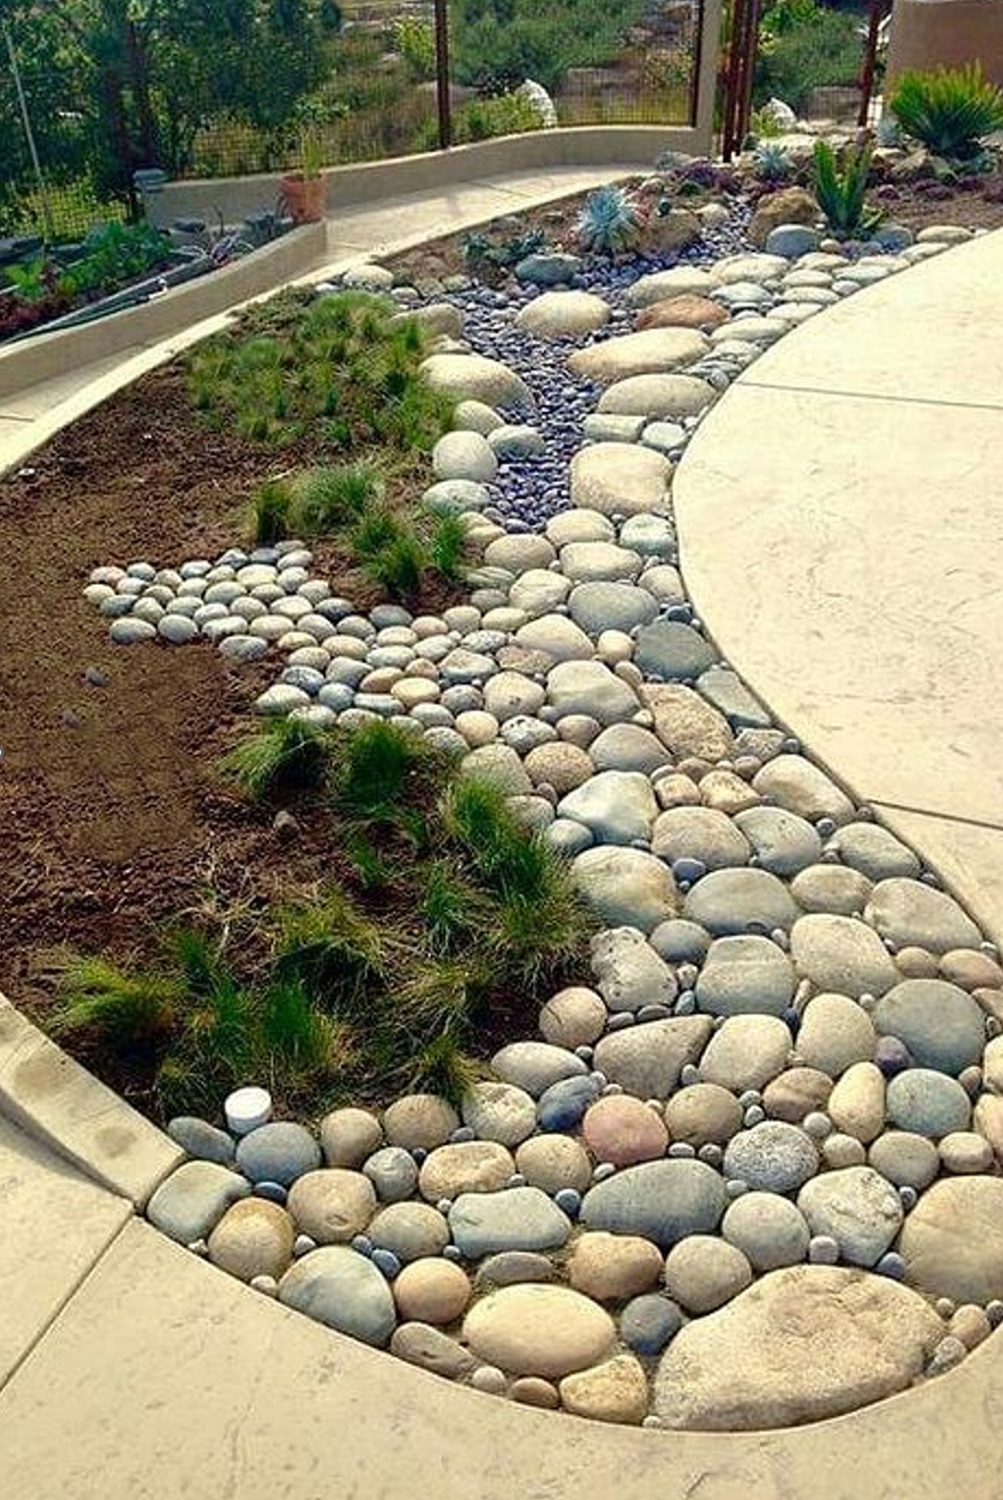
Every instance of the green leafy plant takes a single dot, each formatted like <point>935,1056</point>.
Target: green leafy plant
<point>503,254</point>
<point>951,110</point>
<point>841,189</point>
<point>447,548</point>
<point>373,767</point>
<point>611,222</point>
<point>286,755</point>
<point>325,499</point>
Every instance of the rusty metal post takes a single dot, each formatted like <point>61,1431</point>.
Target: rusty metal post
<point>696,61</point>
<point>732,78</point>
<point>870,61</point>
<point>442,74</point>
<point>748,71</point>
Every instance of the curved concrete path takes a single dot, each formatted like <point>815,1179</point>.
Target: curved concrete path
<point>841,529</point>
<point>837,522</point>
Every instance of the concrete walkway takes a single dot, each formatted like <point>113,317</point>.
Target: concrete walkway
<point>841,526</point>
<point>131,1370</point>
<point>30,418</point>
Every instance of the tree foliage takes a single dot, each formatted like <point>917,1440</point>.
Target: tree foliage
<point>113,85</point>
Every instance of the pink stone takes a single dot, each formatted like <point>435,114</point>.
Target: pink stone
<point>622,1130</point>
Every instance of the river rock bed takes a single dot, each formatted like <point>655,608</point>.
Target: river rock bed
<point>748,1173</point>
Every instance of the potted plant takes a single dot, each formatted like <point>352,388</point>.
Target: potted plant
<point>303,191</point>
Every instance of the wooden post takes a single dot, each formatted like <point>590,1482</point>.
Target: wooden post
<point>748,71</point>
<point>442,74</point>
<point>870,61</point>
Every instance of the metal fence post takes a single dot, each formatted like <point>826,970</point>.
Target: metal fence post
<point>442,74</point>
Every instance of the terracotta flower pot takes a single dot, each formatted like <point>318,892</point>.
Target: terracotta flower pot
<point>304,197</point>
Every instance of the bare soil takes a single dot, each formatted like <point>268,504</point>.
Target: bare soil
<point>113,816</point>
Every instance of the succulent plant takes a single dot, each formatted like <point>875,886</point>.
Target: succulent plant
<point>888,132</point>
<point>771,162</point>
<point>610,222</point>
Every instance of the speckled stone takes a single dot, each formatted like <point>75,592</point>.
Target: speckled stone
<point>703,1272</point>
<point>616,1391</point>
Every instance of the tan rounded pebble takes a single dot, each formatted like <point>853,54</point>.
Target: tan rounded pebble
<point>703,1114</point>
<point>431,1291</point>
<point>348,1136</point>
<point>835,1032</point>
<point>420,1120</point>
<point>796,1093</point>
<point>477,727</point>
<point>332,1205</point>
<point>552,1162</point>
<point>574,1017</point>
<point>906,1159</point>
<point>971,969</point>
<point>856,1105</point>
<point>560,765</point>
<point>677,791</point>
<point>843,1151</point>
<point>413,690</point>
<point>970,1324</point>
<point>421,1344</point>
<point>467,1167</point>
<point>965,1151</point>
<point>616,1391</point>
<point>613,1267</point>
<point>530,1390</point>
<point>489,1379</point>
<point>703,1272</point>
<point>727,793</point>
<point>916,963</point>
<point>535,1329</point>
<point>253,1238</point>
<point>578,729</point>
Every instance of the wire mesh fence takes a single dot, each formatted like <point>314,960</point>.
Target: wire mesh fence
<point>216,88</point>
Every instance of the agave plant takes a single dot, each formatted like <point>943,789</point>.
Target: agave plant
<point>610,223</point>
<point>950,110</point>
<point>771,162</point>
<point>841,190</point>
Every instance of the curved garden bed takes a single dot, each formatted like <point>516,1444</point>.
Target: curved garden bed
<point>764,1095</point>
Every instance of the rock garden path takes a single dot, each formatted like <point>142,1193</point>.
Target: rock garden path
<point>195,1346</point>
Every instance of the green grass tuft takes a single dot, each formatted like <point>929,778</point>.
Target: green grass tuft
<point>287,755</point>
<point>125,1009</point>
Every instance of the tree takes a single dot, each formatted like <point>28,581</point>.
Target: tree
<point>122,84</point>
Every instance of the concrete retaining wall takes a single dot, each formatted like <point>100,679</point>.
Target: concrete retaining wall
<point>366,182</point>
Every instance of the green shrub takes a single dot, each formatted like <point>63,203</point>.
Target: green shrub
<point>841,189</point>
<point>124,1009</point>
<point>414,39</point>
<point>950,110</point>
<point>498,43</point>
<point>373,767</point>
<point>825,52</point>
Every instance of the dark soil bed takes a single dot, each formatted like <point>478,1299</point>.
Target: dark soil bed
<point>113,816</point>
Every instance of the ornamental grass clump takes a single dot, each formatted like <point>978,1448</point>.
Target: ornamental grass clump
<point>430,929</point>
<point>951,110</point>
